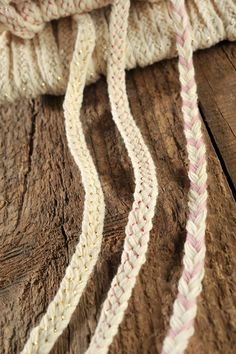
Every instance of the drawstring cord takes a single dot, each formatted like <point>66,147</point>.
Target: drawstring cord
<point>145,194</point>
<point>57,317</point>
<point>190,283</point>
<point>139,224</point>
<point>59,312</point>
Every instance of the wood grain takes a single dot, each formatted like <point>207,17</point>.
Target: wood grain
<point>216,74</point>
<point>41,208</point>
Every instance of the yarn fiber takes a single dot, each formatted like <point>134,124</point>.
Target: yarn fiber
<point>106,37</point>
<point>40,65</point>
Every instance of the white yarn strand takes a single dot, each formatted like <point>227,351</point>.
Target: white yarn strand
<point>145,194</point>
<point>190,283</point>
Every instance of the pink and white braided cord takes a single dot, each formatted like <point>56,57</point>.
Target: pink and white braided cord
<point>190,283</point>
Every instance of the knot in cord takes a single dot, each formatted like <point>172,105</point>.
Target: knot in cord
<point>21,17</point>
<point>42,338</point>
<point>25,18</point>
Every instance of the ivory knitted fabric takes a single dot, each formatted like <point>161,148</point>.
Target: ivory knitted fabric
<point>41,65</point>
<point>107,39</point>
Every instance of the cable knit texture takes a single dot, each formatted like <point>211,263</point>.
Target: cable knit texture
<point>41,65</point>
<point>90,38</point>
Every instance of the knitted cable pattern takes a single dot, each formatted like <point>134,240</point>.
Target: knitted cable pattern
<point>26,64</point>
<point>26,18</point>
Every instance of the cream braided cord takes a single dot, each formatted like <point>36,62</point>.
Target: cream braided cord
<point>82,263</point>
<point>145,194</point>
<point>190,283</point>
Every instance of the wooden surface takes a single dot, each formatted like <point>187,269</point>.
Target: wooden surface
<point>41,204</point>
<point>217,94</point>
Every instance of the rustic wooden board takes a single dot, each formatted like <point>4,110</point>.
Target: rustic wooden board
<point>41,208</point>
<point>216,74</point>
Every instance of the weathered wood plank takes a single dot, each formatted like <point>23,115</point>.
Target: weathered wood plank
<point>41,209</point>
<point>216,75</point>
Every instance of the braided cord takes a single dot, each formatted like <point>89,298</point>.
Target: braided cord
<point>139,223</point>
<point>145,194</point>
<point>190,283</point>
<point>82,263</point>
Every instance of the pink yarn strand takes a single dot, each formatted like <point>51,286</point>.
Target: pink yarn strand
<point>190,283</point>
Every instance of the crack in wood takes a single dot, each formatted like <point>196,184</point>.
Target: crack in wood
<point>30,155</point>
<point>218,153</point>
